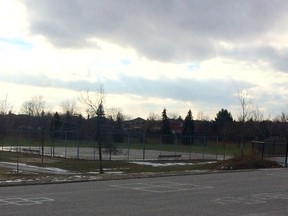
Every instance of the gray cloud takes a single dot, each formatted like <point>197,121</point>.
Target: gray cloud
<point>44,81</point>
<point>209,95</point>
<point>277,58</point>
<point>209,91</point>
<point>182,30</point>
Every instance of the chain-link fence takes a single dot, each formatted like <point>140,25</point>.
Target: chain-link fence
<point>133,146</point>
<point>277,151</point>
<point>136,146</point>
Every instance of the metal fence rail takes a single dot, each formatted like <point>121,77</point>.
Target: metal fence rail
<point>139,146</point>
<point>277,151</point>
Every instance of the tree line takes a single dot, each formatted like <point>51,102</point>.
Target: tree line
<point>250,123</point>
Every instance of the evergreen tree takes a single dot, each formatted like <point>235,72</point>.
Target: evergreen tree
<point>222,117</point>
<point>118,129</point>
<point>56,125</point>
<point>188,129</point>
<point>223,121</point>
<point>67,125</point>
<point>57,121</point>
<point>166,129</point>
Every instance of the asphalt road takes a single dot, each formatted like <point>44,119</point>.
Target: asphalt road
<point>260,192</point>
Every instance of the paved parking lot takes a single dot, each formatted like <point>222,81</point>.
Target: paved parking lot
<point>259,192</point>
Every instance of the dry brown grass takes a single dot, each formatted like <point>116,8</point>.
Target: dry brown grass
<point>253,161</point>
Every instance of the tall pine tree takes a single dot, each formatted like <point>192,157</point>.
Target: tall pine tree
<point>118,135</point>
<point>223,122</point>
<point>188,129</point>
<point>166,129</point>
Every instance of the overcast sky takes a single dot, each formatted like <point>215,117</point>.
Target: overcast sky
<point>148,54</point>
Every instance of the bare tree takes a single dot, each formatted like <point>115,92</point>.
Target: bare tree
<point>173,115</point>
<point>257,114</point>
<point>34,107</point>
<point>5,107</point>
<point>94,107</point>
<point>154,117</point>
<point>69,106</point>
<point>281,121</point>
<point>113,113</point>
<point>153,123</point>
<point>92,100</point>
<point>246,104</point>
<point>283,117</point>
<point>202,117</point>
<point>5,124</point>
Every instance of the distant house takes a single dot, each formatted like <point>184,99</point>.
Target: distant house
<point>176,126</point>
<point>134,125</point>
<point>140,125</point>
<point>153,126</point>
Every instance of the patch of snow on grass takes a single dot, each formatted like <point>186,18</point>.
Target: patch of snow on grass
<point>155,164</point>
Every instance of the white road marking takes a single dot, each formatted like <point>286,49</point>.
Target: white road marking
<point>25,201</point>
<point>161,187</point>
<point>251,200</point>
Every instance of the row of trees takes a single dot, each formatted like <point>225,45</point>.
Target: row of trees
<point>187,129</point>
<point>222,125</point>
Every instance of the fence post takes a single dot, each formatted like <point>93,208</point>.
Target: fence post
<point>128,153</point>
<point>65,149</point>
<point>94,151</point>
<point>78,142</point>
<point>175,143</point>
<point>263,145</point>
<point>53,144</point>
<point>224,149</point>
<point>42,145</point>
<point>143,142</point>
<point>203,147</point>
<point>2,142</point>
<point>17,153</point>
<point>160,144</point>
<point>190,144</point>
<point>286,154</point>
<point>217,143</point>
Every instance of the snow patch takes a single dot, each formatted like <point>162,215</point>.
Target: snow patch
<point>154,164</point>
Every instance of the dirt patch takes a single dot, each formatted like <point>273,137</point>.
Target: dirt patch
<point>246,162</point>
<point>4,170</point>
<point>32,160</point>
